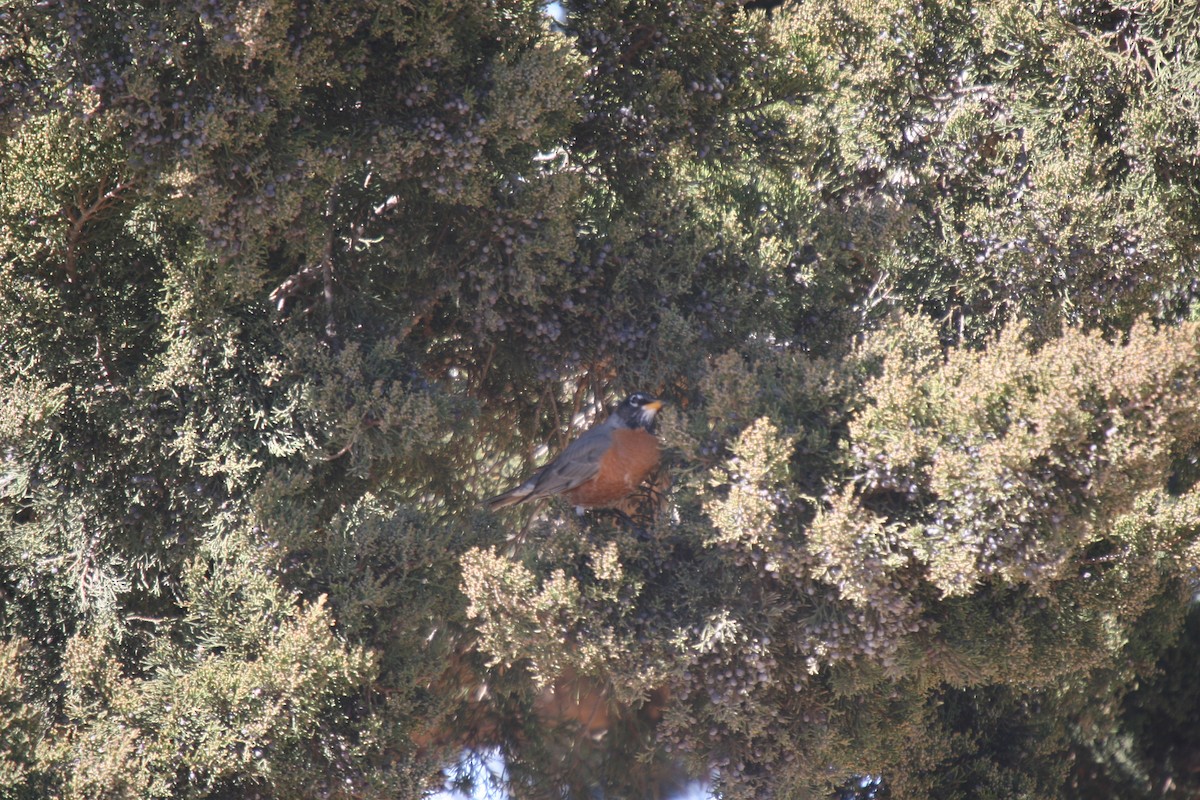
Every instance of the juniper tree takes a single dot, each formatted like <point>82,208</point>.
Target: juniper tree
<point>287,288</point>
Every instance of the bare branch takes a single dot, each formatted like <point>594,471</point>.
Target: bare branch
<point>80,215</point>
<point>327,281</point>
<point>294,284</point>
<point>298,281</point>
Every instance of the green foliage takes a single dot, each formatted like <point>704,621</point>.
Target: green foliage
<point>1020,452</point>
<point>22,726</point>
<point>242,708</point>
<point>286,287</point>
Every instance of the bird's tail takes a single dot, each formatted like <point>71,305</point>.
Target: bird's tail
<point>515,495</point>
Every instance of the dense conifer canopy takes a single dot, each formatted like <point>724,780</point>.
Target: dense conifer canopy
<point>287,288</point>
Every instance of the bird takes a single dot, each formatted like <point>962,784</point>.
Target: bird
<point>603,466</point>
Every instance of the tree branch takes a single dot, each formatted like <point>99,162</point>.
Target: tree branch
<point>298,281</point>
<point>79,216</point>
<point>327,278</point>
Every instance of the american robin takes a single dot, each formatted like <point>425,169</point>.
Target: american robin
<point>603,466</point>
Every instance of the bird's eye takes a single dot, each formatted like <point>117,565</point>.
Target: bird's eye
<point>637,398</point>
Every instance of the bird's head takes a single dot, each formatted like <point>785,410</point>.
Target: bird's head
<point>638,410</point>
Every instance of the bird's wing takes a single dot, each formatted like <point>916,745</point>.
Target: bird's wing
<point>576,465</point>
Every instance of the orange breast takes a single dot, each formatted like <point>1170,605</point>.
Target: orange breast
<point>632,456</point>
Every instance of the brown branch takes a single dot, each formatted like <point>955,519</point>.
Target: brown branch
<point>577,400</point>
<point>101,354</point>
<point>85,567</point>
<point>563,436</point>
<point>365,423</point>
<point>487,365</point>
<point>298,281</point>
<point>537,415</point>
<point>294,284</point>
<point>425,309</point>
<point>79,216</point>
<point>349,446</point>
<point>327,282</point>
<point>636,46</point>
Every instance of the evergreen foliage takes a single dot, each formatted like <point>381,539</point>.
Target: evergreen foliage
<point>287,288</point>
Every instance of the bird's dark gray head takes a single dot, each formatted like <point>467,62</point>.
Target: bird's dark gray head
<point>638,410</point>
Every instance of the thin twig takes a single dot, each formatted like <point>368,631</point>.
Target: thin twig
<point>327,266</point>
<point>106,370</point>
<point>487,365</point>
<point>563,436</point>
<point>577,400</point>
<point>364,424</point>
<point>769,101</point>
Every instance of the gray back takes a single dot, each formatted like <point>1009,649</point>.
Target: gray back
<point>578,464</point>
